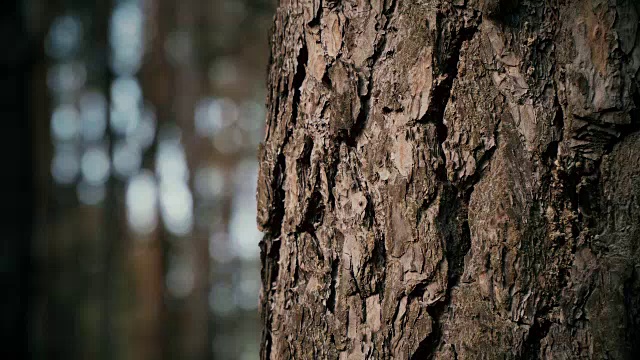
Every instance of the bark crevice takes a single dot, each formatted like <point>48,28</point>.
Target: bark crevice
<point>365,99</point>
<point>454,204</point>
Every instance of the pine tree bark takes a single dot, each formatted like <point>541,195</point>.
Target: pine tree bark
<point>452,180</point>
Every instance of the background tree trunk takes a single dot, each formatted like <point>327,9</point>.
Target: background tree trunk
<point>452,180</point>
<point>17,62</point>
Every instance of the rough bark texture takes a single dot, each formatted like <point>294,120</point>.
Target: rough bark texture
<point>452,180</point>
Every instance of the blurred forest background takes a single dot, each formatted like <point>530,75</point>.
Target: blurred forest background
<point>131,129</point>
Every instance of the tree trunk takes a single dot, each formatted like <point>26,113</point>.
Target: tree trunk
<point>452,180</point>
<point>17,100</point>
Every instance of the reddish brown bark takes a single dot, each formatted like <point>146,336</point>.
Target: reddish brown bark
<point>451,180</point>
